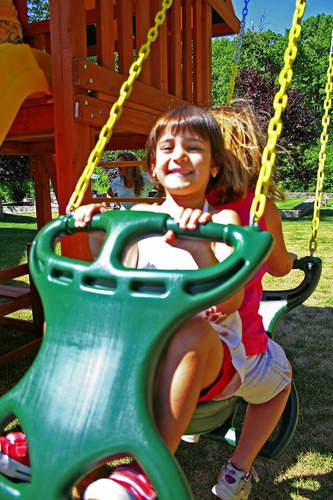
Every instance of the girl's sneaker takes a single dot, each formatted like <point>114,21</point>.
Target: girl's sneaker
<point>191,438</point>
<point>233,484</point>
<point>127,482</point>
<point>14,456</point>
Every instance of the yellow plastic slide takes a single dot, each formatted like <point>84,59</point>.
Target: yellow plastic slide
<point>24,72</point>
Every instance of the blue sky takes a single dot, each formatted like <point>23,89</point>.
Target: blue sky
<point>278,14</point>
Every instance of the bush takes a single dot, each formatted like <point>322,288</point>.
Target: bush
<point>15,178</point>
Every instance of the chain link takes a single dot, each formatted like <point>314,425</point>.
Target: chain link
<point>237,55</point>
<point>116,111</point>
<point>275,124</point>
<point>322,154</point>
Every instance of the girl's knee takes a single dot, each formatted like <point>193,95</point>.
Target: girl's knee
<point>196,334</point>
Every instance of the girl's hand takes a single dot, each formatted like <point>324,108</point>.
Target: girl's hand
<point>188,219</point>
<point>82,215</point>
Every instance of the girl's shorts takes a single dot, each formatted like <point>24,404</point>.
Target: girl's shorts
<point>265,375</point>
<point>224,379</point>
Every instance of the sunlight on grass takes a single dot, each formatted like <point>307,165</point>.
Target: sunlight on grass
<point>308,475</point>
<point>290,203</point>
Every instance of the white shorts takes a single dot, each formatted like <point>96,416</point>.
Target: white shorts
<point>265,375</point>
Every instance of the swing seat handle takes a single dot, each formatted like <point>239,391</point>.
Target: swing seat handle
<point>124,228</point>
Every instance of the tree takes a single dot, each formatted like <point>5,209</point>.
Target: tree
<point>223,52</point>
<point>261,61</point>
<point>299,123</point>
<point>15,176</point>
<point>38,10</point>
<point>310,67</point>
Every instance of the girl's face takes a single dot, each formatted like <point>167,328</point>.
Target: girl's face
<point>122,170</point>
<point>183,163</point>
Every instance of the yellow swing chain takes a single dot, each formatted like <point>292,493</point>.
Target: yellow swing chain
<point>275,124</point>
<point>116,110</point>
<point>322,153</point>
<point>234,68</point>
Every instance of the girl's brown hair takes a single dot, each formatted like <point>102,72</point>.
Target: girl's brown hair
<point>244,144</point>
<point>134,172</point>
<point>191,119</point>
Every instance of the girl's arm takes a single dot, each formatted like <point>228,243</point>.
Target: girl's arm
<point>111,194</point>
<point>222,251</point>
<point>280,261</point>
<point>82,216</point>
<point>206,253</point>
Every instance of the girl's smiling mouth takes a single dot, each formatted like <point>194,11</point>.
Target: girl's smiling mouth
<point>179,171</point>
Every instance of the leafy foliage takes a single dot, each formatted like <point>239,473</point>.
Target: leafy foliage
<point>15,177</point>
<point>257,82</point>
<point>38,10</point>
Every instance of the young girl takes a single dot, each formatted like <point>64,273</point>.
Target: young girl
<point>186,156</point>
<point>268,371</point>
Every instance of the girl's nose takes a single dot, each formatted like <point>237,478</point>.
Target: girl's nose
<point>180,154</point>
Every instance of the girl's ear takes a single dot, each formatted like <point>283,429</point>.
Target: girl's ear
<point>214,170</point>
<point>153,175</point>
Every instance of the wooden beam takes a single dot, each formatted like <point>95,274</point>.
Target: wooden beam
<point>42,190</point>
<point>198,55</point>
<point>207,54</point>
<point>31,121</point>
<point>72,137</point>
<point>125,35</point>
<point>226,11</point>
<point>175,50</point>
<point>142,25</point>
<point>105,34</point>
<point>50,165</point>
<point>95,112</point>
<point>187,50</point>
<point>13,272</point>
<point>14,148</point>
<point>158,58</point>
<point>89,76</point>
<point>26,349</point>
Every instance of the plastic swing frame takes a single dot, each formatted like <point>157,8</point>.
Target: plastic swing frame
<point>88,394</point>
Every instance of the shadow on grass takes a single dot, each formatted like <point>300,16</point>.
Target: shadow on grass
<point>326,214</point>
<point>18,219</point>
<point>16,231</point>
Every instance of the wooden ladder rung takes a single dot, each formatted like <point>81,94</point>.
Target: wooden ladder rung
<point>15,305</point>
<point>13,292</point>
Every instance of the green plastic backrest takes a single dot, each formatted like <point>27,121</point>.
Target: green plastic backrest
<point>276,304</point>
<point>88,394</point>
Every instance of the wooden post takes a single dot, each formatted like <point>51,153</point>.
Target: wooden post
<point>42,190</point>
<point>72,138</point>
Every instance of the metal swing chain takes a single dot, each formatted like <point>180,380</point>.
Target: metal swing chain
<point>275,124</point>
<point>237,55</point>
<point>116,110</point>
<point>322,153</point>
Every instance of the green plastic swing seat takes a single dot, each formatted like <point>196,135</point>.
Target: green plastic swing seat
<point>88,394</point>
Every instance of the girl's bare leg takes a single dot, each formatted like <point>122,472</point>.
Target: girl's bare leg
<point>192,362</point>
<point>260,421</point>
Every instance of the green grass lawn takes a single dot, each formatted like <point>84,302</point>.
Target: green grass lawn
<point>305,470</point>
<point>290,203</point>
